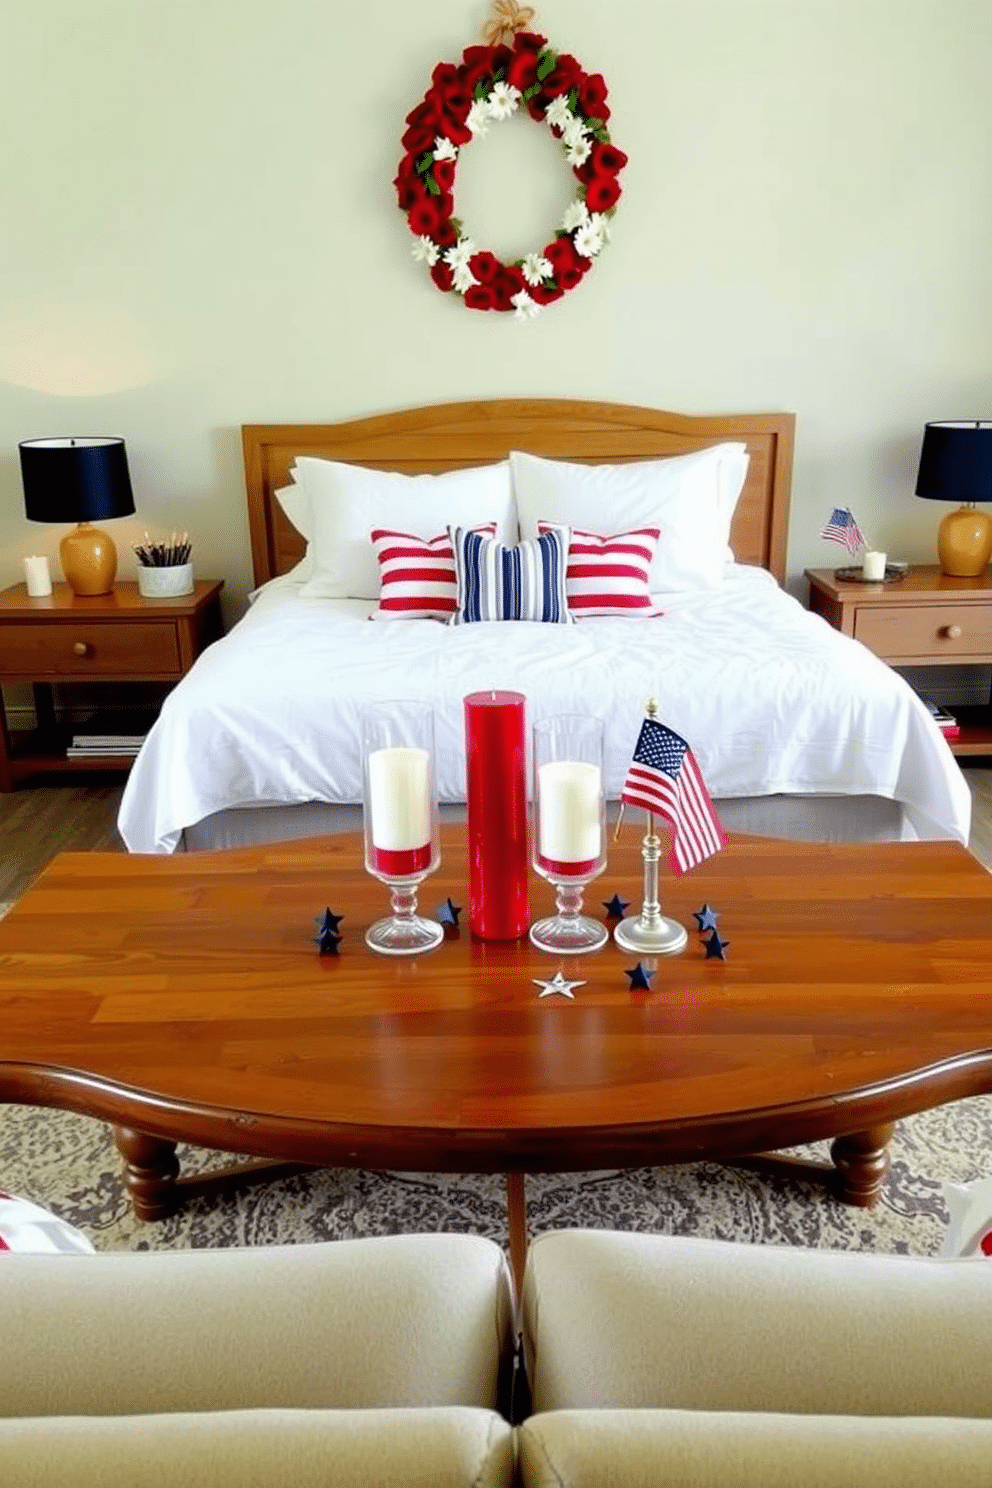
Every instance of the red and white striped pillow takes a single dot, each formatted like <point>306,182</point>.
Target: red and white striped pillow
<point>608,576</point>
<point>417,579</point>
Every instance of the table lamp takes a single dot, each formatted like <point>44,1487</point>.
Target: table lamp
<point>956,465</point>
<point>79,480</point>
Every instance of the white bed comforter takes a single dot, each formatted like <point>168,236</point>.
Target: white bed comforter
<point>769,696</point>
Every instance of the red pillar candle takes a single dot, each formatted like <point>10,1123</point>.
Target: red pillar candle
<point>498,854</point>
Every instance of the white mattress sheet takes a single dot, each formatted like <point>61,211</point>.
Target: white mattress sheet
<point>770,697</point>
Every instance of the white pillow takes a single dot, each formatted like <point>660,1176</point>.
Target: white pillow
<point>348,501</point>
<point>294,502</point>
<point>690,497</point>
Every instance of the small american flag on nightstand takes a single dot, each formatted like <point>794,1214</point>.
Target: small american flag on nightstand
<point>842,528</point>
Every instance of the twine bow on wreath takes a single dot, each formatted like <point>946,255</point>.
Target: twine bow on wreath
<point>491,83</point>
<point>507,19</point>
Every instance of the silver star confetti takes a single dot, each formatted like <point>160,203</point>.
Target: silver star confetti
<point>557,984</point>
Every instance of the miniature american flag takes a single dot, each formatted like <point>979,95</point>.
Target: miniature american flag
<point>842,528</point>
<point>665,777</point>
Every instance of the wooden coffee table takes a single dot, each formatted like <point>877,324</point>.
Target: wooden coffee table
<point>183,999</point>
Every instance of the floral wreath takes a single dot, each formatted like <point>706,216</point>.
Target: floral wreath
<point>491,83</point>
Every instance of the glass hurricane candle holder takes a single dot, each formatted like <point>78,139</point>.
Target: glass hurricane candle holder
<point>569,828</point>
<point>401,821</point>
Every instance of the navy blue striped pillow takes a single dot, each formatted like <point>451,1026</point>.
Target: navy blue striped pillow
<point>496,582</point>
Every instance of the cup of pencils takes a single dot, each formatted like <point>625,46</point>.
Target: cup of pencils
<point>164,568</point>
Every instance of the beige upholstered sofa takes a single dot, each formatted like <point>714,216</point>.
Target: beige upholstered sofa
<point>353,1363</point>
<point>652,1361</point>
<point>706,1364</point>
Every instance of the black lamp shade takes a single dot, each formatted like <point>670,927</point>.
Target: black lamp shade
<point>75,480</point>
<point>956,462</point>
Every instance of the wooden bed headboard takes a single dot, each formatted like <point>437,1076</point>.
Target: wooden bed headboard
<point>451,435</point>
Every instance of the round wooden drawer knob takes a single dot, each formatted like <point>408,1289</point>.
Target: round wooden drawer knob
<point>81,648</point>
<point>952,632</point>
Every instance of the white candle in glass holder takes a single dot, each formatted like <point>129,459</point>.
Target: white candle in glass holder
<point>569,825</point>
<point>873,566</point>
<point>36,577</point>
<point>399,800</point>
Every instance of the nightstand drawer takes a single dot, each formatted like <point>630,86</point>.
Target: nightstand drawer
<point>927,630</point>
<point>81,649</point>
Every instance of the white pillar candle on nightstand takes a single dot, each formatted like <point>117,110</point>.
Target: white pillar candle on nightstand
<point>399,799</point>
<point>36,577</point>
<point>569,825</point>
<point>873,566</point>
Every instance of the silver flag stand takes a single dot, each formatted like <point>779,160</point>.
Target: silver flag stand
<point>652,933</point>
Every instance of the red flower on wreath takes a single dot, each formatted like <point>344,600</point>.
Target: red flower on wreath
<point>606,160</point>
<point>592,97</point>
<point>480,297</point>
<point>424,216</point>
<point>507,283</point>
<point>489,84</point>
<point>522,66</point>
<point>443,172</point>
<point>569,266</point>
<point>602,193</point>
<point>446,235</point>
<point>485,266</point>
<point>564,75</point>
<point>441,275</point>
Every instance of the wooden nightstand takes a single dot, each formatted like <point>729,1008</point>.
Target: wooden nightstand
<point>66,637</point>
<point>924,619</point>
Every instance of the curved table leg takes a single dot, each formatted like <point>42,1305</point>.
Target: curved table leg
<point>150,1172</point>
<point>861,1164</point>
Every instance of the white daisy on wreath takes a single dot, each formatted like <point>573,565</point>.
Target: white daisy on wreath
<point>535,268</point>
<point>503,101</point>
<point>525,307</point>
<point>424,251</point>
<point>579,153</point>
<point>445,149</point>
<point>478,118</point>
<point>574,132</point>
<point>588,240</point>
<point>458,256</point>
<point>575,214</point>
<point>601,223</point>
<point>463,278</point>
<point>559,114</point>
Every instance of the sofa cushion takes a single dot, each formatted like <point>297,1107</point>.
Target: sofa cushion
<point>675,1322</point>
<point>729,1449</point>
<point>451,1447</point>
<point>412,1320</point>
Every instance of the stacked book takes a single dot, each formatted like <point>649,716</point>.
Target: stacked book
<point>945,721</point>
<point>99,746</point>
<point>103,736</point>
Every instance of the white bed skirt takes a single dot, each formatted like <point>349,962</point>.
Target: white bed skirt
<point>801,818</point>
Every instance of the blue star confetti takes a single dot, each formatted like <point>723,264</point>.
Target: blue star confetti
<point>705,918</point>
<point>640,977</point>
<point>328,938</point>
<point>715,947</point>
<point>448,912</point>
<point>616,907</point>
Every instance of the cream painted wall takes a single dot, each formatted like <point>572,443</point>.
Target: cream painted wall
<point>199,230</point>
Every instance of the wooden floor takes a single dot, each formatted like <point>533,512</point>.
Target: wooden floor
<point>38,822</point>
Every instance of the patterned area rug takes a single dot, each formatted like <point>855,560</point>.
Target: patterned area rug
<point>69,1164</point>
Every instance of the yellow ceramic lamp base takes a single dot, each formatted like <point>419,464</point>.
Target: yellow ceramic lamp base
<point>89,560</point>
<point>964,542</point>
